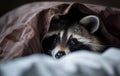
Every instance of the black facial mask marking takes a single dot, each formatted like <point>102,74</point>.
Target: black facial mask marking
<point>50,43</point>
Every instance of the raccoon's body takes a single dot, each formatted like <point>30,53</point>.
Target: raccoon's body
<point>67,35</point>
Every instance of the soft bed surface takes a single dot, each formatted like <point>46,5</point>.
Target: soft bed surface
<point>81,63</point>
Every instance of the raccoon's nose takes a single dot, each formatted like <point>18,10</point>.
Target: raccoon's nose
<point>59,54</point>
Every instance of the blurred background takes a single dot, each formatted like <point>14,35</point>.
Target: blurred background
<point>7,5</point>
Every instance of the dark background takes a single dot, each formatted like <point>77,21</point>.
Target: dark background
<point>7,5</point>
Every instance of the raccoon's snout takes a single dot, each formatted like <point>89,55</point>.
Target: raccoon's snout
<point>59,54</point>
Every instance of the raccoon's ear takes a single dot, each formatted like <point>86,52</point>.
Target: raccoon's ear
<point>91,23</point>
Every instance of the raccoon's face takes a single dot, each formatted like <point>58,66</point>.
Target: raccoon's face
<point>65,36</point>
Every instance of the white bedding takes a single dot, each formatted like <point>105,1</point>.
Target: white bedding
<point>82,63</point>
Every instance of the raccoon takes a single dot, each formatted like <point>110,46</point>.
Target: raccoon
<point>67,35</point>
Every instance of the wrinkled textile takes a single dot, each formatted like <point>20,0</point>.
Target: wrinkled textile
<point>22,29</point>
<point>82,63</point>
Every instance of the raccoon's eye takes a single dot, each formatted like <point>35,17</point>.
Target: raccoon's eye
<point>73,42</point>
<point>55,39</point>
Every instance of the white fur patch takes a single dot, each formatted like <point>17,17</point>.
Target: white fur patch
<point>93,43</point>
<point>61,34</point>
<point>51,33</point>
